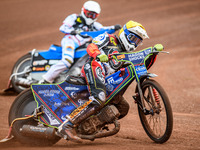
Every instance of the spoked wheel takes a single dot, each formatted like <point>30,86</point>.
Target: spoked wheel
<point>157,120</point>
<point>25,105</point>
<point>23,63</point>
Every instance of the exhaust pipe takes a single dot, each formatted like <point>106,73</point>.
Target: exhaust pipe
<point>38,132</point>
<point>24,82</point>
<point>114,131</point>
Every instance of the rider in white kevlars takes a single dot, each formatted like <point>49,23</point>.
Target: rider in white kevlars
<point>72,25</point>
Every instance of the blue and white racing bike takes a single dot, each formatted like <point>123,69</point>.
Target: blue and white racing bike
<point>29,68</point>
<point>37,113</point>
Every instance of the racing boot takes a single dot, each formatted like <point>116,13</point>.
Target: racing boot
<point>43,81</point>
<point>67,130</point>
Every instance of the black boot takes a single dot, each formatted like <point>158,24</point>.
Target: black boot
<point>67,128</point>
<point>43,81</point>
<point>68,132</point>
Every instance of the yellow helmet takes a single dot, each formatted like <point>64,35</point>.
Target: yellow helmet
<point>132,34</point>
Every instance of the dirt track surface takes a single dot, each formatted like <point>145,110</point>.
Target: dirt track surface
<point>26,24</point>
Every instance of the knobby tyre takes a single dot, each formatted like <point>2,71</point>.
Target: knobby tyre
<point>158,120</point>
<point>25,105</point>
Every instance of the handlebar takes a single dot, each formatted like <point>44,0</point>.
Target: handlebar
<point>156,52</point>
<point>96,33</point>
<point>137,57</point>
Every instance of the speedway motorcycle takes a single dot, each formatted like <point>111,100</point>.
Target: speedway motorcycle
<point>29,68</point>
<point>37,112</point>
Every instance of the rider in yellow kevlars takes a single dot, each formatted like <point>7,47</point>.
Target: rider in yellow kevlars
<point>98,67</point>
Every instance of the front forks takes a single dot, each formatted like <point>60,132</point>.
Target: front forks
<point>139,99</point>
<point>153,99</point>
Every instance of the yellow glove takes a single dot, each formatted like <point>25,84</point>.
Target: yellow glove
<point>102,58</point>
<point>158,47</point>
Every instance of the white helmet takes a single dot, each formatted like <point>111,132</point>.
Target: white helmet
<point>132,35</point>
<point>90,11</point>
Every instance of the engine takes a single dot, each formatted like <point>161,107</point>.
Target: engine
<point>94,123</point>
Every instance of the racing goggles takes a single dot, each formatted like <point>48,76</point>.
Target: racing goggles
<point>90,14</point>
<point>132,37</point>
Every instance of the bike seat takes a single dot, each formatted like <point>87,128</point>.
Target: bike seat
<point>78,80</point>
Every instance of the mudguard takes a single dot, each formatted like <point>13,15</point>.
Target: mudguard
<point>55,53</point>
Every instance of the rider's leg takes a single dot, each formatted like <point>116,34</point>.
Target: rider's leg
<point>96,85</point>
<point>122,105</point>
<point>68,48</point>
<point>55,70</point>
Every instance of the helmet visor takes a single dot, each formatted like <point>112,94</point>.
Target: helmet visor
<point>90,14</point>
<point>134,38</point>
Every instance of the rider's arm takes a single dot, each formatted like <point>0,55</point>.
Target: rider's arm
<point>68,23</point>
<point>99,26</point>
<point>93,50</point>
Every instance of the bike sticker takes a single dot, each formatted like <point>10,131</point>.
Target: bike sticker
<point>121,56</point>
<point>59,100</point>
<point>117,83</point>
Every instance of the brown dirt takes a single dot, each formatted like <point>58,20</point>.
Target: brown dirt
<point>26,24</point>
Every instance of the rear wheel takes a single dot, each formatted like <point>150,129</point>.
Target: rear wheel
<point>157,121</point>
<point>22,63</point>
<point>24,105</point>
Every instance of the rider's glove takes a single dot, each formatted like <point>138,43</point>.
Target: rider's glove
<point>158,47</point>
<point>73,32</point>
<point>117,27</point>
<point>102,58</point>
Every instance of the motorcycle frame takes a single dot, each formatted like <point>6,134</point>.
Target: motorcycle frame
<point>134,72</point>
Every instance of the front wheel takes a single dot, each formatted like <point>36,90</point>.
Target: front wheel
<point>157,120</point>
<point>24,105</point>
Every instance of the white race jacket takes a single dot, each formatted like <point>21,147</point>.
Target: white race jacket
<point>73,22</point>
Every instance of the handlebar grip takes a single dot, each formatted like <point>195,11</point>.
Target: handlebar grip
<point>158,47</point>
